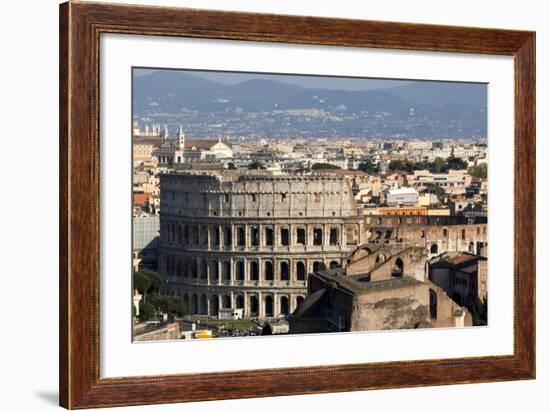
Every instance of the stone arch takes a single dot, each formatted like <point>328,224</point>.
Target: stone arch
<point>204,269</point>
<point>239,301</point>
<point>226,301</point>
<point>214,271</point>
<point>471,247</point>
<point>284,306</point>
<point>254,271</point>
<point>334,264</point>
<point>434,249</point>
<point>214,305</point>
<point>203,305</point>
<point>300,271</point>
<point>254,306</point>
<point>239,271</point>
<point>318,266</point>
<point>284,271</point>
<point>268,270</point>
<point>398,268</point>
<point>226,273</point>
<point>194,304</point>
<point>268,306</point>
<point>299,300</point>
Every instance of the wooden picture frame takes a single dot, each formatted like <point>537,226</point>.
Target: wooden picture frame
<point>80,27</point>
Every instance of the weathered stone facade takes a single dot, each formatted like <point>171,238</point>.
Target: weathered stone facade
<point>438,234</point>
<point>249,240</point>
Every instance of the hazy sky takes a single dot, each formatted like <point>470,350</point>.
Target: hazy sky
<point>337,83</point>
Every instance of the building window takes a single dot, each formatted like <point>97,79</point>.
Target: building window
<point>255,236</point>
<point>300,271</point>
<point>239,271</point>
<point>317,197</point>
<point>216,236</point>
<point>445,233</point>
<point>284,306</point>
<point>254,198</point>
<point>226,271</point>
<point>268,303</point>
<point>285,271</point>
<point>463,234</point>
<point>285,240</point>
<point>227,236</point>
<point>283,197</point>
<point>334,236</point>
<point>269,236</point>
<point>268,271</point>
<point>241,237</point>
<point>317,236</point>
<point>301,236</point>
<point>254,271</point>
<point>433,249</point>
<point>226,198</point>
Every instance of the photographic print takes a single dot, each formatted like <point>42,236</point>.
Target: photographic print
<point>275,204</point>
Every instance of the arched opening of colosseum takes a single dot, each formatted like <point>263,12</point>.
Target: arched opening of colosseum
<point>269,236</point>
<point>241,236</point>
<point>194,304</point>
<point>254,236</point>
<point>378,235</point>
<point>268,271</point>
<point>204,269</point>
<point>300,271</point>
<point>285,236</point>
<point>226,301</point>
<point>215,271</point>
<point>445,232</point>
<point>299,300</point>
<point>216,236</point>
<point>178,268</point>
<point>317,236</point>
<point>195,235</point>
<point>186,234</point>
<point>397,269</point>
<point>334,264</point>
<point>227,236</point>
<point>433,249</point>
<point>463,234</point>
<point>239,274</point>
<point>239,301</point>
<point>194,269</point>
<point>203,307</point>
<point>301,236</point>
<point>471,247</point>
<point>254,271</point>
<point>380,258</point>
<point>179,236</point>
<point>214,305</point>
<point>333,234</point>
<point>285,271</point>
<point>226,273</point>
<point>268,306</point>
<point>433,304</point>
<point>205,235</point>
<point>254,306</point>
<point>284,306</point>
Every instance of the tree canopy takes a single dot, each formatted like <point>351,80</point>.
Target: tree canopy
<point>324,166</point>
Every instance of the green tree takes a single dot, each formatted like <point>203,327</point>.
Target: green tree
<point>397,165</point>
<point>142,283</point>
<point>156,280</point>
<point>434,189</point>
<point>256,165</point>
<point>171,305</point>
<point>231,166</point>
<point>324,166</point>
<point>454,163</point>
<point>478,309</point>
<point>439,166</point>
<point>368,167</point>
<point>479,171</point>
<point>146,311</point>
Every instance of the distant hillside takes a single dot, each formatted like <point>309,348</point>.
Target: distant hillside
<point>453,107</point>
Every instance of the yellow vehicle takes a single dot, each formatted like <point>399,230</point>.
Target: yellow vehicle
<point>203,334</point>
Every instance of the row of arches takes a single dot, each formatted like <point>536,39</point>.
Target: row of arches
<point>254,235</point>
<point>254,305</point>
<point>241,270</point>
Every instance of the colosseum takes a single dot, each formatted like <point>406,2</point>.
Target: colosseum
<point>239,240</point>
